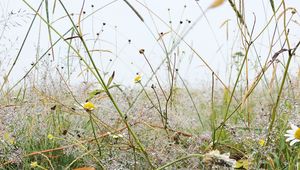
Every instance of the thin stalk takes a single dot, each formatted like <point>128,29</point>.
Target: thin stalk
<point>163,118</point>
<point>192,100</point>
<point>178,160</point>
<point>213,115</point>
<point>156,95</point>
<point>153,72</point>
<point>94,133</point>
<point>21,48</point>
<point>147,95</point>
<point>102,83</point>
<point>291,53</point>
<point>233,90</point>
<point>49,30</point>
<point>98,77</point>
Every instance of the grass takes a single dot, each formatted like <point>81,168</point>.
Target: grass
<point>162,121</point>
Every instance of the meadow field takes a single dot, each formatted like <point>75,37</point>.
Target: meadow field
<point>140,84</point>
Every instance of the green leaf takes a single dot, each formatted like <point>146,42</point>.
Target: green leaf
<point>112,86</point>
<point>272,5</point>
<point>95,93</point>
<point>239,54</point>
<point>110,79</point>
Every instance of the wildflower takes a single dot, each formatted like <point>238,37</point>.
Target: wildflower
<point>137,78</point>
<point>34,164</point>
<point>7,137</point>
<point>50,136</point>
<point>262,142</point>
<point>293,135</point>
<point>89,106</point>
<point>243,163</point>
<point>117,136</point>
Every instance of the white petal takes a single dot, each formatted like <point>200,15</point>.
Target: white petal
<point>294,127</point>
<point>290,131</point>
<point>289,139</point>
<point>294,141</point>
<point>288,135</point>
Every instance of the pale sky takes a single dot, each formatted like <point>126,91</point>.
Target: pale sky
<point>113,52</point>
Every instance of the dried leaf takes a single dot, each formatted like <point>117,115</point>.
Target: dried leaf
<point>215,157</point>
<point>85,168</point>
<point>216,3</point>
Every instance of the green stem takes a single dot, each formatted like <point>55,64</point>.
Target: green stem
<point>102,83</point>
<point>291,52</point>
<point>233,91</point>
<point>94,132</point>
<point>97,76</point>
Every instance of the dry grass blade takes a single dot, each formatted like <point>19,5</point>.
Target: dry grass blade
<point>167,87</point>
<point>216,3</point>
<point>134,10</point>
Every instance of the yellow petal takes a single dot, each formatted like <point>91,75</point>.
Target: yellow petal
<point>50,136</point>
<point>34,164</point>
<point>262,142</point>
<point>89,106</point>
<point>243,163</point>
<point>138,78</point>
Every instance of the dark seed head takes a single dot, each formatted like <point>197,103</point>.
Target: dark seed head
<point>53,107</point>
<point>65,132</point>
<point>142,51</point>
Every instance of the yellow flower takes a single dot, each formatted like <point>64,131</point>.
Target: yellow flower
<point>293,135</point>
<point>89,106</point>
<point>243,163</point>
<point>33,164</point>
<point>138,78</point>
<point>262,142</point>
<point>50,136</point>
<point>9,139</point>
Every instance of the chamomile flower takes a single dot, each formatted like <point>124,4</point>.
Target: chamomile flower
<point>117,136</point>
<point>50,136</point>
<point>34,164</point>
<point>137,78</point>
<point>88,106</point>
<point>293,135</point>
<point>262,142</point>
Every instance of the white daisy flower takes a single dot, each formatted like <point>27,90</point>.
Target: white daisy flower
<point>293,135</point>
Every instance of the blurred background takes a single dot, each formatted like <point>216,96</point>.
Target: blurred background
<point>115,34</point>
